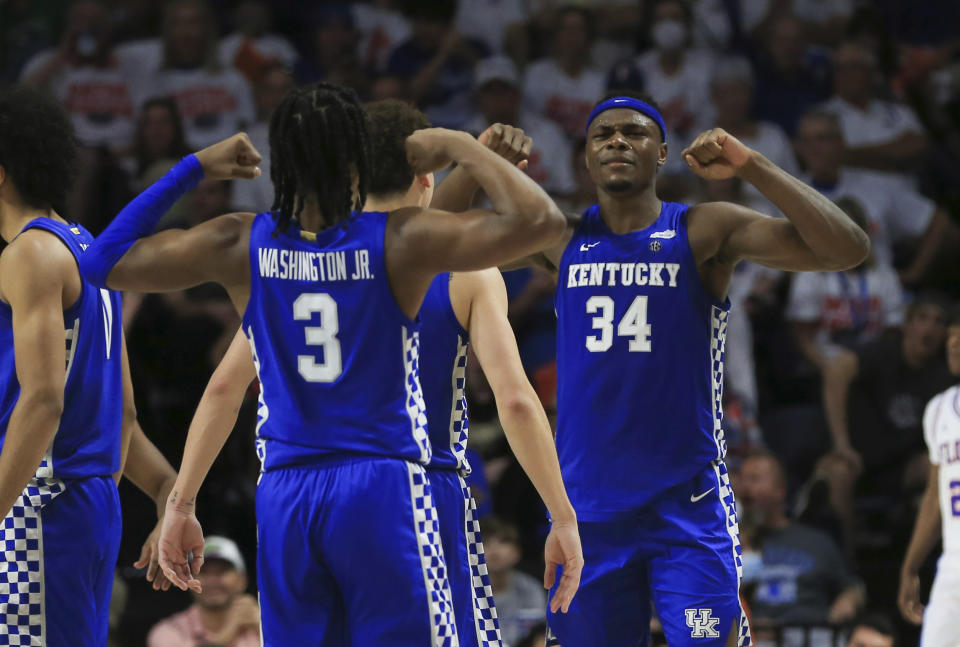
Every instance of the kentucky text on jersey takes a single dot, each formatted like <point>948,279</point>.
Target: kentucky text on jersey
<point>653,274</point>
<point>298,265</point>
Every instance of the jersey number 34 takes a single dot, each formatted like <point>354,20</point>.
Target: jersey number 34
<point>633,324</point>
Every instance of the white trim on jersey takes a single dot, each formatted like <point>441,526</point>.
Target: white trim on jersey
<point>458,408</point>
<point>415,405</point>
<point>443,628</point>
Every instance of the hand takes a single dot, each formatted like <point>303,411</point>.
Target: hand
<point>181,535</point>
<point>243,614</point>
<point>716,155</point>
<point>428,149</point>
<point>149,559</point>
<point>234,157</point>
<point>510,143</point>
<point>908,598</point>
<point>563,549</point>
<point>850,456</point>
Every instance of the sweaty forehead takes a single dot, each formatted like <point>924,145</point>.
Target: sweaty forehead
<point>619,117</point>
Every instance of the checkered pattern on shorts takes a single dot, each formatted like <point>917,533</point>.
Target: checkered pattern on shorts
<point>484,609</point>
<point>442,621</point>
<point>22,620</point>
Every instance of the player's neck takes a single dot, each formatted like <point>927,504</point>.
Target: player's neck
<point>633,213</point>
<point>14,217</point>
<point>388,203</point>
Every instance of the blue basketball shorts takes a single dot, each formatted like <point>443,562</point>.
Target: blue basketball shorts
<point>349,554</point>
<point>60,543</point>
<point>679,554</point>
<point>476,613</point>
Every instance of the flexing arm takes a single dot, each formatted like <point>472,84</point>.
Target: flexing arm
<point>126,257</point>
<point>212,423</point>
<point>524,422</point>
<point>32,280</point>
<point>926,533</point>
<point>838,375</point>
<point>816,235</point>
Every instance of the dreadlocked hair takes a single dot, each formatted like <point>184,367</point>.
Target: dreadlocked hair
<point>318,140</point>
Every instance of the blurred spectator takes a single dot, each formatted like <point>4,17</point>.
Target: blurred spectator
<point>159,143</point>
<point>874,398</point>
<point>531,313</point>
<point>677,76</point>
<point>847,308</point>
<point>497,84</point>
<point>437,61</point>
<point>791,77</point>
<point>536,638</point>
<point>222,614</point>
<point>333,46</point>
<point>824,21</point>
<point>499,24</point>
<point>895,213</point>
<point>872,630</point>
<point>521,599</point>
<point>584,190</point>
<point>878,134</point>
<point>25,30</point>
<point>804,579</point>
<point>253,45</point>
<point>381,28</point>
<point>732,92</point>
<point>214,102</point>
<point>565,86</point>
<point>274,83</point>
<point>86,77</point>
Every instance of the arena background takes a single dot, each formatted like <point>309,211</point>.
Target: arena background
<point>146,82</point>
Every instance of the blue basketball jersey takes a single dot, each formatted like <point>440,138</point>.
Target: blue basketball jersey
<point>443,366</point>
<point>639,364</point>
<point>87,442</point>
<point>338,361</point>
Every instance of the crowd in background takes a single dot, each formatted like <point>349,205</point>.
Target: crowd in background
<point>827,374</point>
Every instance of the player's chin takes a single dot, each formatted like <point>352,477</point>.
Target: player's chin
<point>619,184</point>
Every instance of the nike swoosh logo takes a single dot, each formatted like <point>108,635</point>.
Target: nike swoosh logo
<point>694,498</point>
<point>669,233</point>
<point>584,247</point>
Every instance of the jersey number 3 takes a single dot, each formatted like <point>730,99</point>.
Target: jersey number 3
<point>324,335</point>
<point>633,324</point>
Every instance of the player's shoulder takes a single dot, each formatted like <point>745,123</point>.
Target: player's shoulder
<point>36,259</point>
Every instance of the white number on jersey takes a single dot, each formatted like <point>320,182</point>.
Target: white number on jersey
<point>324,335</point>
<point>633,324</point>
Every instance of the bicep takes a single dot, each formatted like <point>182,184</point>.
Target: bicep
<point>181,258</point>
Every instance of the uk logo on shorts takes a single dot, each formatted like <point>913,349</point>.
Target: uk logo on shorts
<point>702,623</point>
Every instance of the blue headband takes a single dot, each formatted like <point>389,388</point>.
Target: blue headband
<point>631,104</point>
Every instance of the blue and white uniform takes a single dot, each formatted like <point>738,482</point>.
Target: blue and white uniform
<point>60,540</point>
<point>443,364</point>
<point>345,511</point>
<point>640,371</point>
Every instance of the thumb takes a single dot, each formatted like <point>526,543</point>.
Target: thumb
<point>246,172</point>
<point>523,164</point>
<point>144,557</point>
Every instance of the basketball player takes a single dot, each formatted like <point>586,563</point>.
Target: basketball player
<point>642,311</point>
<point>454,304</point>
<point>67,417</point>
<point>329,300</point>
<point>939,514</point>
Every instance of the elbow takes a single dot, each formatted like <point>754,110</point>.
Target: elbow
<point>518,406</point>
<point>45,404</point>
<point>854,252</point>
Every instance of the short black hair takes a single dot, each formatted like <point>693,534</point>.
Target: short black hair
<point>390,122</point>
<point>38,148</point>
<point>318,140</point>
<point>878,622</point>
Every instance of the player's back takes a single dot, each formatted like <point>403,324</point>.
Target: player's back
<point>942,430</point>
<point>336,357</point>
<point>443,367</point>
<point>639,364</point>
<point>87,442</point>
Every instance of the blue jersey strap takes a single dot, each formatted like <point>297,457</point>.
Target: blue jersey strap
<point>138,219</point>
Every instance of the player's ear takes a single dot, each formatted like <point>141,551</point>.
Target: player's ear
<point>662,158</point>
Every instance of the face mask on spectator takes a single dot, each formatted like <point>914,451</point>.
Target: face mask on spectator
<point>669,34</point>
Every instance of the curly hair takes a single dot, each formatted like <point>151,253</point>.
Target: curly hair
<point>318,144</point>
<point>390,123</point>
<point>38,149</point>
